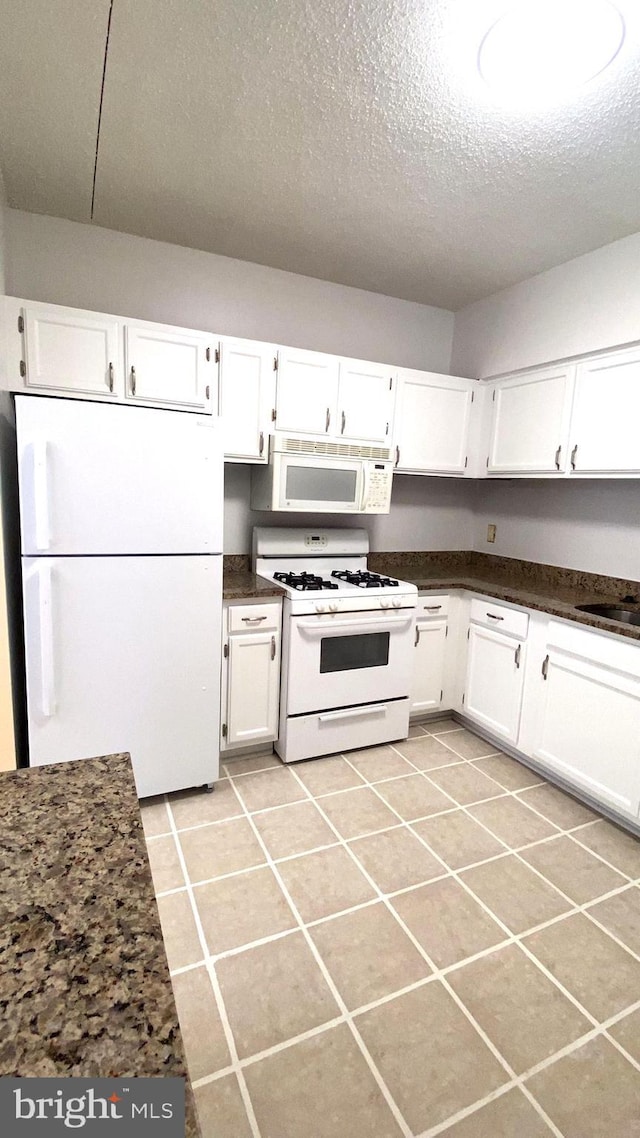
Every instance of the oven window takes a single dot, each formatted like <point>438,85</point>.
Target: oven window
<point>320,484</point>
<point>349,653</point>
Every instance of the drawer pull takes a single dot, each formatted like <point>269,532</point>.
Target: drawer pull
<point>133,381</point>
<point>494,617</point>
<point>432,608</point>
<point>252,619</point>
<point>111,377</point>
<point>273,647</point>
<point>573,456</point>
<point>517,655</point>
<point>557,459</point>
<point>545,667</point>
<point>261,443</point>
<point>417,639</point>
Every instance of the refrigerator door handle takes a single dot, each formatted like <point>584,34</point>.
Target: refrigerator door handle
<point>41,495</point>
<point>45,619</point>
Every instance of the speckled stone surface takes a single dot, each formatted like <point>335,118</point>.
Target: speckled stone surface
<point>547,588</point>
<point>248,586</point>
<point>84,982</point>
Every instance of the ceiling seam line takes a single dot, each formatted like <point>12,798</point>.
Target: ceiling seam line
<point>104,72</point>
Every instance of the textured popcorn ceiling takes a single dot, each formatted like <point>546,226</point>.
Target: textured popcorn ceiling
<point>345,139</point>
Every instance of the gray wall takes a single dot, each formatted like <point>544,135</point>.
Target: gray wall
<point>65,262</point>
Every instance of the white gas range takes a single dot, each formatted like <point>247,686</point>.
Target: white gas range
<point>347,641</point>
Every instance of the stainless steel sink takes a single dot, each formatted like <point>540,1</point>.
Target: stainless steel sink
<point>613,612</point>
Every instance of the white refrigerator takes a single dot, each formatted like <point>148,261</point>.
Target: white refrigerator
<point>121,530</point>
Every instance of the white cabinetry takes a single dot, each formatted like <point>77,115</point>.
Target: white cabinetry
<point>339,398</point>
<point>604,425</point>
<point>588,728</point>
<point>530,428</point>
<point>430,644</point>
<point>307,392</point>
<point>247,399</point>
<point>251,673</point>
<point>170,367</point>
<point>432,423</point>
<point>365,401</point>
<point>65,350</point>
<point>495,667</point>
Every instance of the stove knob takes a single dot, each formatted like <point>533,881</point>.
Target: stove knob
<point>384,604</point>
<point>396,604</point>
<point>319,608</point>
<point>333,608</point>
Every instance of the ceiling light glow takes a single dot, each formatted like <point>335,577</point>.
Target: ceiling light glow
<point>540,50</point>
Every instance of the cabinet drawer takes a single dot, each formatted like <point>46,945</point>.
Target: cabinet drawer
<point>493,615</point>
<point>432,605</point>
<point>250,618</point>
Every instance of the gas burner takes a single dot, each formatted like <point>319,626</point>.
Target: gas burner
<point>363,579</point>
<point>304,582</point>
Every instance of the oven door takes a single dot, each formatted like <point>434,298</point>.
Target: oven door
<point>343,659</point>
<point>320,485</point>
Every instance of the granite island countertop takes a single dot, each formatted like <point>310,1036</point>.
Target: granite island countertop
<point>84,981</point>
<point>545,588</point>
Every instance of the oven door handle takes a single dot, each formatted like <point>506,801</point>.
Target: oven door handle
<point>323,627</point>
<point>353,713</point>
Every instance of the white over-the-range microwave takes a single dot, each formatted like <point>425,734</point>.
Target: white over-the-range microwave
<point>322,477</point>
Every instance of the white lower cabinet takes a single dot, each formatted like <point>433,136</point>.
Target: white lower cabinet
<point>495,668</point>
<point>588,715</point>
<point>250,674</point>
<point>430,655</point>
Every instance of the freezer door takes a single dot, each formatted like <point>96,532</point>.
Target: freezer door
<point>98,478</point>
<point>123,654</point>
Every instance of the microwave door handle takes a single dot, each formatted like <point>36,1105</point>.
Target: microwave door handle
<point>365,485</point>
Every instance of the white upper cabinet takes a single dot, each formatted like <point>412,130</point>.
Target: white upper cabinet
<point>247,399</point>
<point>432,422</point>
<point>365,402</point>
<point>70,351</point>
<point>604,427</point>
<point>171,367</point>
<point>307,395</point>
<point>530,427</point>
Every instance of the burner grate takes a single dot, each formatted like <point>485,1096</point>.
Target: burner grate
<point>304,582</point>
<point>363,579</point>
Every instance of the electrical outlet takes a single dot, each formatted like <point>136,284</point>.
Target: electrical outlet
<point>491,532</point>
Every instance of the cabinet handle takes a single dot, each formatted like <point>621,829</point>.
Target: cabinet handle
<point>558,453</point>
<point>327,420</point>
<point>252,619</point>
<point>545,667</point>
<point>573,456</point>
<point>494,617</point>
<point>415,643</point>
<point>517,656</point>
<point>261,443</point>
<point>133,381</point>
<point>273,647</point>
<point>397,455</point>
<point>344,423</point>
<point>432,608</point>
<point>110,377</point>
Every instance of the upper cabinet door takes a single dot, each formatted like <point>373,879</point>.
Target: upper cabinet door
<point>248,393</point>
<point>531,422</point>
<point>170,367</point>
<point>432,422</point>
<point>604,427</point>
<point>365,402</point>
<point>70,351</point>
<point>307,392</point>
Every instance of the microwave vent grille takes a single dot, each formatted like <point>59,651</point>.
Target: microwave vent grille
<point>338,450</point>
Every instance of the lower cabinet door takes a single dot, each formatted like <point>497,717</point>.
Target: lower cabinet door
<point>589,728</point>
<point>253,687</point>
<point>495,680</point>
<point>428,665</point>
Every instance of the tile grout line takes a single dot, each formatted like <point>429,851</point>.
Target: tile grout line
<point>391,1103</point>
<point>512,938</point>
<point>213,979</point>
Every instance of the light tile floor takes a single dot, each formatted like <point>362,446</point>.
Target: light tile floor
<point>413,940</point>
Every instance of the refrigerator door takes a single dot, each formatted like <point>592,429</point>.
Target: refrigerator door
<point>99,478</point>
<point>123,654</point>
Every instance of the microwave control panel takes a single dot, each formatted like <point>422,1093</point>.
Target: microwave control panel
<point>378,488</point>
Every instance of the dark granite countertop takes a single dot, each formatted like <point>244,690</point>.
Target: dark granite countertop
<point>547,588</point>
<point>84,981</point>
<point>244,585</point>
